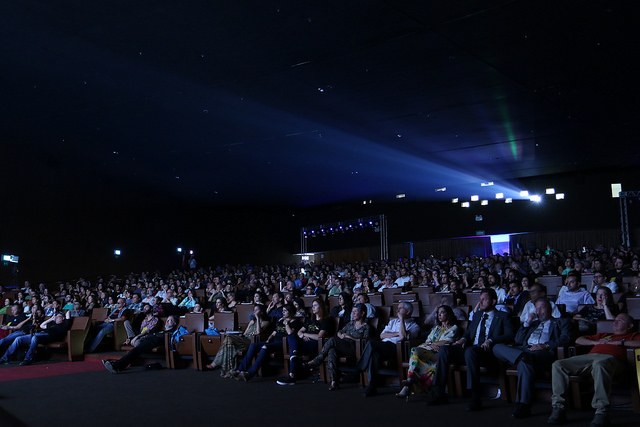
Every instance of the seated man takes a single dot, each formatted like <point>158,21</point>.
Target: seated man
<point>147,344</point>
<point>534,350</point>
<point>54,329</point>
<point>105,328</point>
<point>17,324</point>
<point>517,298</point>
<point>488,327</point>
<point>528,315</point>
<point>572,295</point>
<point>398,329</point>
<point>607,357</point>
<point>143,323</point>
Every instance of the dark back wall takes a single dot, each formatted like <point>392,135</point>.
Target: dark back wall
<point>61,235</point>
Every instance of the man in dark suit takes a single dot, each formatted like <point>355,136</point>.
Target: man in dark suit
<point>535,349</point>
<point>488,327</point>
<point>516,298</point>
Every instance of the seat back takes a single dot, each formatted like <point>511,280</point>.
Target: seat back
<point>244,310</point>
<point>473,298</point>
<point>553,283</point>
<point>375,299</point>
<point>633,307</point>
<point>405,296</point>
<point>424,294</point>
<point>388,293</point>
<point>226,321</point>
<point>98,314</point>
<point>194,322</point>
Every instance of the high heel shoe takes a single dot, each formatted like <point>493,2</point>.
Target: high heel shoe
<point>408,382</point>
<point>404,393</point>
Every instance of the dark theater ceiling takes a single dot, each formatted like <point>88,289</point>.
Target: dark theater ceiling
<point>314,102</point>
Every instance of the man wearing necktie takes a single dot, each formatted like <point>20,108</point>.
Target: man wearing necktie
<point>534,350</point>
<point>488,327</point>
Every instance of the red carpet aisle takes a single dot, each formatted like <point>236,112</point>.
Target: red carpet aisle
<point>14,372</point>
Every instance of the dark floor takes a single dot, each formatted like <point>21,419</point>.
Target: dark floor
<point>187,397</point>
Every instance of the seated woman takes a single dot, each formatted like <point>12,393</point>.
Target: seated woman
<point>343,345</point>
<point>298,304</point>
<point>286,325</point>
<point>342,311</point>
<point>422,362</point>
<point>231,300</point>
<point>189,301</point>
<point>234,344</point>
<point>305,341</point>
<point>603,309</point>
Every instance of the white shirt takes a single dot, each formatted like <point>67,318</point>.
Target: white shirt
<point>487,325</point>
<point>541,334</point>
<point>393,327</point>
<point>530,308</point>
<point>573,299</point>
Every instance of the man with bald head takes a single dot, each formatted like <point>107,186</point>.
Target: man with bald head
<point>608,356</point>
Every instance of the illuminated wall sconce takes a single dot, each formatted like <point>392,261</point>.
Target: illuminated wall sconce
<point>615,190</point>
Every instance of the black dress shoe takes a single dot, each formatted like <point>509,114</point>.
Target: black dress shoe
<point>522,411</point>
<point>474,406</point>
